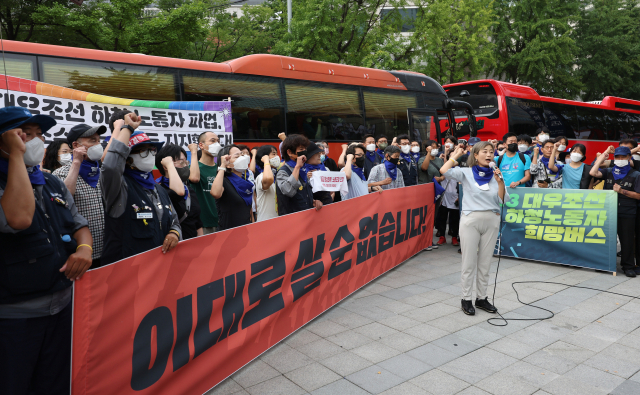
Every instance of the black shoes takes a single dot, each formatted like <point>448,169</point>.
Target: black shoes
<point>637,270</point>
<point>467,307</point>
<point>485,305</point>
<point>630,273</point>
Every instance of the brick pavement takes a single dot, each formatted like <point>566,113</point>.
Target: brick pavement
<point>405,334</point>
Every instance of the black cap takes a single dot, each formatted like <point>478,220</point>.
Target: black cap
<point>313,149</point>
<point>84,130</point>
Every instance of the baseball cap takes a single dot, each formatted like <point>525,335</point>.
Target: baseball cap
<point>84,130</point>
<point>140,137</point>
<point>14,117</point>
<point>474,140</point>
<point>622,151</point>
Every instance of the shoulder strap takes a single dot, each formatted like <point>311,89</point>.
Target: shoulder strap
<point>522,158</point>
<point>500,160</point>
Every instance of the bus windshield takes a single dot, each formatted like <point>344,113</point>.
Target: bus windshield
<point>482,98</point>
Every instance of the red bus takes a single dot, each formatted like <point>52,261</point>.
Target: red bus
<point>270,94</point>
<point>502,107</point>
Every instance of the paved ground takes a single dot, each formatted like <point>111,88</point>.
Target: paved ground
<point>405,334</point>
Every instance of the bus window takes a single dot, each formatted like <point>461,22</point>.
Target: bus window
<point>482,98</point>
<point>561,119</point>
<point>617,124</point>
<point>525,116</point>
<point>110,79</point>
<point>21,66</point>
<point>321,111</point>
<point>257,106</point>
<point>591,123</point>
<point>387,112</point>
<point>634,126</point>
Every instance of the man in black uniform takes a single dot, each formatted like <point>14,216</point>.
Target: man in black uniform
<point>407,164</point>
<point>45,246</point>
<point>623,179</point>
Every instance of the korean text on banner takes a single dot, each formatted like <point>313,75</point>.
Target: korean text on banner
<point>576,227</point>
<point>181,323</point>
<point>331,181</point>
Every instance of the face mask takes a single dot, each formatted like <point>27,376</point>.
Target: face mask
<point>383,146</point>
<point>275,161</point>
<point>184,173</point>
<point>143,164</point>
<point>636,156</point>
<point>567,160</point>
<point>434,152</point>
<point>360,162</point>
<point>405,149</point>
<point>322,158</point>
<point>371,147</point>
<point>561,148</point>
<point>512,147</point>
<point>523,148</point>
<point>242,163</point>
<point>448,145</point>
<point>620,162</point>
<point>65,159</point>
<point>394,160</point>
<point>326,151</point>
<point>575,157</point>
<point>214,148</point>
<point>35,152</point>
<point>415,150</point>
<point>502,151</point>
<point>301,153</point>
<point>542,138</point>
<point>94,153</point>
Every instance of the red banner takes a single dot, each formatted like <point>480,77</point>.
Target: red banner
<point>181,323</point>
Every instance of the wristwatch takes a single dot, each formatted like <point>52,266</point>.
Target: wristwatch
<point>128,127</point>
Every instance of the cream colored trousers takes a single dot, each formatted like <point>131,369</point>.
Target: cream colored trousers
<point>478,233</point>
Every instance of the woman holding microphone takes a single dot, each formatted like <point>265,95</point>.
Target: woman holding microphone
<point>484,191</point>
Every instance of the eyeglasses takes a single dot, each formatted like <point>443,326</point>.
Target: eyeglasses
<point>181,162</point>
<point>145,153</point>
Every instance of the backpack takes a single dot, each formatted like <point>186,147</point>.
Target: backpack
<point>524,162</point>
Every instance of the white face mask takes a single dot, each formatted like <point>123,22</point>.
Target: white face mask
<point>636,156</point>
<point>35,152</point>
<point>415,149</point>
<point>65,159</point>
<point>621,162</point>
<point>562,148</point>
<point>502,152</point>
<point>275,161</point>
<point>94,153</point>
<point>242,163</point>
<point>143,164</point>
<point>542,138</point>
<point>523,148</point>
<point>567,160</point>
<point>575,157</point>
<point>371,147</point>
<point>405,149</point>
<point>214,148</point>
<point>448,145</point>
<point>434,152</point>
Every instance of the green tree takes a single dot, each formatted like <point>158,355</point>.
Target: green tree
<point>16,18</point>
<point>535,44</point>
<point>609,39</point>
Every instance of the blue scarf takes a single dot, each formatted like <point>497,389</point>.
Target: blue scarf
<point>164,181</point>
<point>258,170</point>
<point>391,169</point>
<point>380,153</point>
<point>359,172</point>
<point>307,168</point>
<point>371,156</point>
<point>406,157</point>
<point>302,175</point>
<point>620,172</point>
<point>35,175</point>
<point>545,162</point>
<point>145,180</point>
<point>485,177</point>
<point>243,187</point>
<point>88,174</point>
<point>416,156</point>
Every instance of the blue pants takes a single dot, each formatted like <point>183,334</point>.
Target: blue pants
<point>35,354</point>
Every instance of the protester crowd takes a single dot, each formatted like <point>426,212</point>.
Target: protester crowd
<point>94,206</point>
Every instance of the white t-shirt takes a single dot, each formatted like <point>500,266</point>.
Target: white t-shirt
<point>265,200</point>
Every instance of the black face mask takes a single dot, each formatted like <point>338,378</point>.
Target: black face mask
<point>301,153</point>
<point>360,162</point>
<point>512,147</point>
<point>184,173</point>
<point>394,160</point>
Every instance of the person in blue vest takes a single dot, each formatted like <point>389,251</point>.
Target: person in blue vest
<point>408,164</point>
<point>371,157</point>
<point>140,215</point>
<point>45,246</point>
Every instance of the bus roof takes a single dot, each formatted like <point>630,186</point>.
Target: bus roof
<point>526,92</point>
<point>262,64</point>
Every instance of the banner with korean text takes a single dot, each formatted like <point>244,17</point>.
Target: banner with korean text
<point>576,227</point>
<point>167,121</point>
<point>181,323</point>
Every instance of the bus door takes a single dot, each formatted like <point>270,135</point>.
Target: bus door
<point>423,125</point>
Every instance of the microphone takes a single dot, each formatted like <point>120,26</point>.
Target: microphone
<point>493,167</point>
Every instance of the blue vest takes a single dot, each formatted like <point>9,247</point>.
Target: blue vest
<point>626,205</point>
<point>302,200</point>
<point>133,232</point>
<point>31,259</point>
<point>409,172</point>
